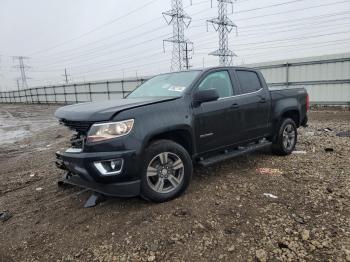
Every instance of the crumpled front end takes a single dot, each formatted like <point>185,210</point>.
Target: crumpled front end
<point>103,172</point>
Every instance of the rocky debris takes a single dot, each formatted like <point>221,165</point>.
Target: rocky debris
<point>269,171</point>
<point>223,216</point>
<point>5,215</point>
<point>344,134</point>
<point>270,195</point>
<point>261,255</point>
<point>181,212</point>
<point>305,234</point>
<point>231,248</point>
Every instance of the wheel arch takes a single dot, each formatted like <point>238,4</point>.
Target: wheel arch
<point>180,135</point>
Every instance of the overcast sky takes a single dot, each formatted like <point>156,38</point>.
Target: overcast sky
<point>111,38</point>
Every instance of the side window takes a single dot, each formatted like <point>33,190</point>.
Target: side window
<point>218,80</point>
<point>249,81</point>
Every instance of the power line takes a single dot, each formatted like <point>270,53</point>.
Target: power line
<point>107,52</point>
<point>79,47</point>
<point>294,10</point>
<point>179,20</point>
<point>296,38</point>
<point>129,57</point>
<point>139,57</point>
<point>125,31</point>
<point>223,25</point>
<point>103,47</point>
<point>276,13</point>
<point>312,46</point>
<point>257,25</point>
<point>298,29</point>
<point>96,28</point>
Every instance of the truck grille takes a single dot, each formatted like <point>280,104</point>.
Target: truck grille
<point>79,126</point>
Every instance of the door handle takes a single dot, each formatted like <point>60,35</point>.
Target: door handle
<point>234,105</point>
<point>262,100</point>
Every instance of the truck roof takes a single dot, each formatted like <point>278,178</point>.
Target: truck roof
<point>219,67</point>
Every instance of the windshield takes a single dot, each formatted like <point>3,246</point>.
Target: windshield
<point>172,85</point>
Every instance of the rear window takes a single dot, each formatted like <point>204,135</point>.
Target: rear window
<point>249,81</point>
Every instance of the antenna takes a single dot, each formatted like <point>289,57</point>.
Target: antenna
<point>223,25</point>
<point>180,20</point>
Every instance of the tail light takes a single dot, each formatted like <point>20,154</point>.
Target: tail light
<point>307,102</point>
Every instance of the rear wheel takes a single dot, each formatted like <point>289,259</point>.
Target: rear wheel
<point>166,172</point>
<point>286,139</point>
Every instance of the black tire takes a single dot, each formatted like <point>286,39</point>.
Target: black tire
<point>279,145</point>
<point>151,156</point>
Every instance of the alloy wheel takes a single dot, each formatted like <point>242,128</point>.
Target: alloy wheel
<point>165,172</point>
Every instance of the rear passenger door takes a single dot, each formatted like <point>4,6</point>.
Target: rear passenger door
<point>254,104</point>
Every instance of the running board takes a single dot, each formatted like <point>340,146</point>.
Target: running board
<point>233,153</point>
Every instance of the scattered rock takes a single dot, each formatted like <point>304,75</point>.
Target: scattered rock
<point>77,255</point>
<point>305,234</point>
<point>181,212</point>
<point>269,171</point>
<point>347,254</point>
<point>270,195</point>
<point>261,255</point>
<point>329,189</point>
<point>231,248</point>
<point>5,215</point>
<point>282,245</point>
<point>300,220</point>
<point>309,133</point>
<point>300,152</point>
<point>344,134</point>
<point>151,258</point>
<point>153,247</point>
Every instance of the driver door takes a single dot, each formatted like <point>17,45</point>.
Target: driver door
<point>214,120</point>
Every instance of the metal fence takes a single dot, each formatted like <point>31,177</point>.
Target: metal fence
<point>72,93</point>
<point>326,78</point>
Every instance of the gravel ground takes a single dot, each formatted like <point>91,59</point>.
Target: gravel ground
<point>231,212</point>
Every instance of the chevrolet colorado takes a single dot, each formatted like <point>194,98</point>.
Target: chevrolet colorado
<point>148,143</point>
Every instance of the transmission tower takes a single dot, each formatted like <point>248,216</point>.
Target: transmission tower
<point>180,20</point>
<point>66,76</point>
<point>188,49</point>
<point>223,25</point>
<point>22,67</point>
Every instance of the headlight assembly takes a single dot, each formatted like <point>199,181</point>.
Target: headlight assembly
<point>105,131</point>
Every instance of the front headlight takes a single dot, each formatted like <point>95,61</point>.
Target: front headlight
<point>104,131</point>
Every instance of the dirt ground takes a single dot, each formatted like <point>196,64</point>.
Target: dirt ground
<point>224,215</point>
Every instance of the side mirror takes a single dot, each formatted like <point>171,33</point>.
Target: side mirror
<point>207,95</point>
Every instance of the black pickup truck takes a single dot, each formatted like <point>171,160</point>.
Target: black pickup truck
<point>148,143</point>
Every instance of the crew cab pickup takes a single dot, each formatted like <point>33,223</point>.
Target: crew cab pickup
<point>147,143</point>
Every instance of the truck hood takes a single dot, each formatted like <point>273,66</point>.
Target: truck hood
<point>105,110</point>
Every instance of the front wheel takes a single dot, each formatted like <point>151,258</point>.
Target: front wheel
<point>166,171</point>
<point>286,139</point>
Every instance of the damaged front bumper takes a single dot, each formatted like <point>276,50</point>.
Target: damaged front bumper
<point>89,170</point>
